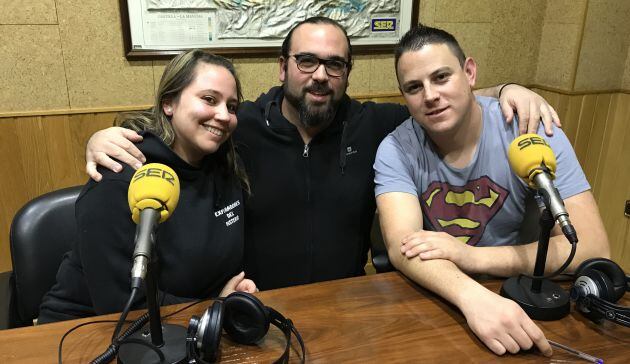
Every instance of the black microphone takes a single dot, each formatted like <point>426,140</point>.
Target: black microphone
<point>152,196</point>
<point>532,159</point>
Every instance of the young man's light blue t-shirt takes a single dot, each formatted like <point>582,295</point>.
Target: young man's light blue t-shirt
<point>482,204</point>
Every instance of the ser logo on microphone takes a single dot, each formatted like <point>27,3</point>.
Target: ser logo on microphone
<point>155,172</point>
<point>533,140</point>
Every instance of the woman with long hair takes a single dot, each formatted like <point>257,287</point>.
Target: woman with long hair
<point>200,247</point>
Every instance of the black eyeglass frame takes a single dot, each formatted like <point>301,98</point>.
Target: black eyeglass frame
<point>321,61</point>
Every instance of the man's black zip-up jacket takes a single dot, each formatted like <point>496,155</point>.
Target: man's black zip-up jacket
<point>309,216</point>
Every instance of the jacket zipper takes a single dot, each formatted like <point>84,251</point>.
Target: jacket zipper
<point>305,154</point>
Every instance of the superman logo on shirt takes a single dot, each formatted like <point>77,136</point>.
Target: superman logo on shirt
<point>463,211</point>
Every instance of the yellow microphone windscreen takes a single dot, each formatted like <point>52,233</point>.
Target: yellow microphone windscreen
<point>155,186</point>
<point>526,155</point>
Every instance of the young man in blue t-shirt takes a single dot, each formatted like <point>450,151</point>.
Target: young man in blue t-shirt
<point>446,169</point>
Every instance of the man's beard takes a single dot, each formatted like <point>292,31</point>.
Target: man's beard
<point>313,116</point>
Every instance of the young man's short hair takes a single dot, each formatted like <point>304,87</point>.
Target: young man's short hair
<point>420,36</point>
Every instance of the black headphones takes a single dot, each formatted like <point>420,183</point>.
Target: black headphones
<point>244,318</point>
<point>598,285</point>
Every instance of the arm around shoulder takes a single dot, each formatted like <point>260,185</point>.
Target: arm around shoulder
<point>114,142</point>
<point>530,107</point>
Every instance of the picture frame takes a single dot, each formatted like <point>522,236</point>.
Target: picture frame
<point>161,29</point>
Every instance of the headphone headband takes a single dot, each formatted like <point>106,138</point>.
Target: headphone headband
<point>286,326</point>
<point>615,313</point>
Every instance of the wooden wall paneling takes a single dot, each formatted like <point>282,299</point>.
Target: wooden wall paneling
<point>613,175</point>
<point>571,119</point>
<point>14,189</point>
<point>610,138</point>
<point>34,151</point>
<point>82,127</point>
<point>620,242</point>
<point>28,147</point>
<point>624,256</point>
<point>562,108</point>
<point>5,250</point>
<point>623,117</point>
<point>56,132</point>
<point>596,140</point>
<point>622,246</point>
<point>621,191</point>
<point>395,98</point>
<point>41,154</point>
<point>562,105</point>
<point>583,133</point>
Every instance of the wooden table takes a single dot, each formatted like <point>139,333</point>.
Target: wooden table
<point>381,318</point>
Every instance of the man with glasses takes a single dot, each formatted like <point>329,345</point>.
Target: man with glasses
<point>308,149</point>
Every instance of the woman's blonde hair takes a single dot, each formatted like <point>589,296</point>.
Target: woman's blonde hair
<point>178,74</point>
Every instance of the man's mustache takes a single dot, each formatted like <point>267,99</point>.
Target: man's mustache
<point>318,88</point>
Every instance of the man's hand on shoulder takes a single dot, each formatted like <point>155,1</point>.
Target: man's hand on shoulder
<point>502,325</point>
<point>439,245</point>
<point>529,106</point>
<point>114,142</point>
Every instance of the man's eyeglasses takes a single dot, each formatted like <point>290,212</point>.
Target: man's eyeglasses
<point>308,63</point>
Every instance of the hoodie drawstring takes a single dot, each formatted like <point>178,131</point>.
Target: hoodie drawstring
<point>268,109</point>
<point>342,149</point>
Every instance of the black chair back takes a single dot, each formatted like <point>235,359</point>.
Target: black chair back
<point>42,231</point>
<point>380,259</point>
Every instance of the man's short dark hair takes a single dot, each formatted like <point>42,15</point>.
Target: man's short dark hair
<point>286,44</point>
<point>420,36</point>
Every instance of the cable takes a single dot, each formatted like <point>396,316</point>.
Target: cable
<point>109,354</point>
<point>111,351</point>
<point>60,347</point>
<point>196,302</point>
<point>559,270</point>
<point>124,313</point>
<point>300,341</point>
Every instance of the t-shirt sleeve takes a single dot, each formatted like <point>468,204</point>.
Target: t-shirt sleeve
<point>570,179</point>
<point>392,170</point>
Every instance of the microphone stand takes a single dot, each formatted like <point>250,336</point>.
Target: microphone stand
<point>170,339</point>
<point>539,297</point>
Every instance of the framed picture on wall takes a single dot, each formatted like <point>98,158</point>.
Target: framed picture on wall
<point>159,29</point>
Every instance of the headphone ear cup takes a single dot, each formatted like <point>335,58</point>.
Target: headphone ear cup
<point>209,331</point>
<point>604,285</point>
<point>246,318</point>
<point>616,278</point>
<point>601,289</point>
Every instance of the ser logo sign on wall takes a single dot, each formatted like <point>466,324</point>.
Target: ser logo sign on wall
<point>383,25</point>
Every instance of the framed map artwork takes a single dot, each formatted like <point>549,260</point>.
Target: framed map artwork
<point>159,29</point>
